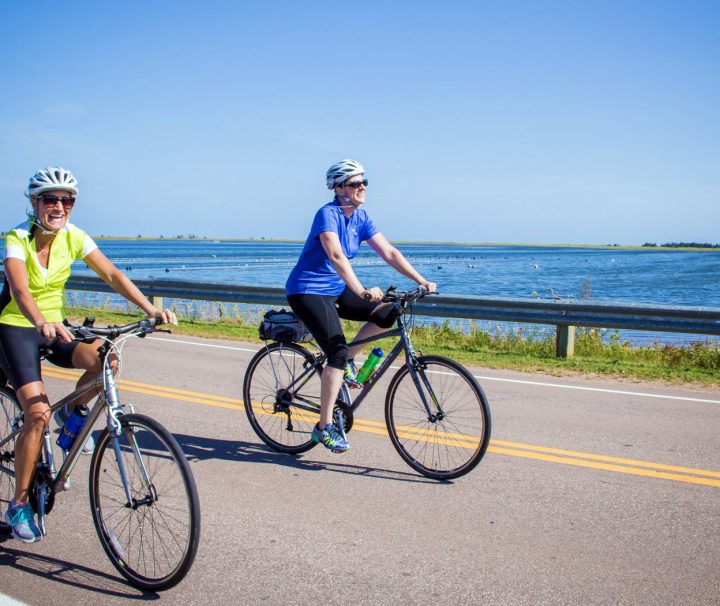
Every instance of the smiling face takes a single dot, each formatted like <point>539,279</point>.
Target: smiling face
<point>353,189</point>
<point>53,208</point>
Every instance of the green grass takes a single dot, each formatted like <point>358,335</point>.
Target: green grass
<point>597,352</point>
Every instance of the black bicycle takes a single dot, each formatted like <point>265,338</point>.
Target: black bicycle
<point>143,497</point>
<point>436,413</point>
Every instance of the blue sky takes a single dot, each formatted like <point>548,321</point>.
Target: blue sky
<point>504,121</point>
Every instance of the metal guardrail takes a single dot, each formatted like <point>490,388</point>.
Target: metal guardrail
<point>564,314</point>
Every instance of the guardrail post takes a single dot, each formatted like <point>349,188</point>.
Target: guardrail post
<point>565,343</point>
<point>157,302</point>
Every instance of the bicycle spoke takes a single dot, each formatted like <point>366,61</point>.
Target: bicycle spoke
<point>451,442</point>
<point>154,540</point>
<point>282,396</point>
<point>9,420</point>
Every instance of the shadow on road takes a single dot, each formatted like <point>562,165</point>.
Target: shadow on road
<point>67,573</point>
<point>198,448</point>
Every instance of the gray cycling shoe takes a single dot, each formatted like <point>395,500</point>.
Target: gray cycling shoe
<point>21,520</point>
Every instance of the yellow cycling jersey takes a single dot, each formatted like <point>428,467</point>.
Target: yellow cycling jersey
<point>47,286</point>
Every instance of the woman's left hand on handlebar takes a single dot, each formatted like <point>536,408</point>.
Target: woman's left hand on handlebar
<point>166,316</point>
<point>429,286</point>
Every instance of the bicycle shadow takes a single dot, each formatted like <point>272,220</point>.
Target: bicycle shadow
<point>71,574</point>
<point>199,448</point>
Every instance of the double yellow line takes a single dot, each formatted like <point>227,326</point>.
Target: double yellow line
<point>616,464</point>
<point>528,451</point>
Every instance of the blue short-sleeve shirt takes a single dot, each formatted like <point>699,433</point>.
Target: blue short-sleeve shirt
<point>314,273</point>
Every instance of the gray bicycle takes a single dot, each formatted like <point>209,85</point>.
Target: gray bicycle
<point>143,497</point>
<point>436,413</point>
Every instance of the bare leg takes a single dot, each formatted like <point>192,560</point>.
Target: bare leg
<point>36,409</point>
<point>368,330</point>
<point>85,356</point>
<point>330,384</point>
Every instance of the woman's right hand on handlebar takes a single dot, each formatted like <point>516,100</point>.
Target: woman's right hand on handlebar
<point>51,330</point>
<point>373,294</point>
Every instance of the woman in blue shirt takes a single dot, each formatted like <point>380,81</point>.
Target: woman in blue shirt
<point>322,287</point>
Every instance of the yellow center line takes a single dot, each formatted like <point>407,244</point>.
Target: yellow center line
<point>515,449</point>
<point>607,467</point>
<point>594,457</point>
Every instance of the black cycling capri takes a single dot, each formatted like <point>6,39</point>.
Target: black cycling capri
<point>20,353</point>
<point>322,313</point>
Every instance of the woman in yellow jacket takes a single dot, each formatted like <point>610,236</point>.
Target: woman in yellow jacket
<point>38,256</point>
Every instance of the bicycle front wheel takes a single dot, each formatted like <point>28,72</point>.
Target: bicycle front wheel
<point>281,392</point>
<point>10,420</point>
<point>450,439</point>
<point>152,536</point>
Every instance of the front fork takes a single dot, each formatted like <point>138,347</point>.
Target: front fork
<point>116,430</point>
<point>435,412</point>
<point>44,474</point>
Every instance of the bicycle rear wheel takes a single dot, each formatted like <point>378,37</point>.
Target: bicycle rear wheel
<point>281,392</point>
<point>453,439</point>
<point>152,538</point>
<point>10,420</point>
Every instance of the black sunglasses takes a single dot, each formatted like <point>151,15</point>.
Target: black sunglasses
<point>357,184</point>
<point>50,200</point>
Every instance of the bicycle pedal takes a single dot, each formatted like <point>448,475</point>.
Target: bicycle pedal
<point>42,525</point>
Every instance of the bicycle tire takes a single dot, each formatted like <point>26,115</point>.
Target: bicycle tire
<point>444,448</point>
<point>10,420</point>
<point>137,537</point>
<point>278,423</point>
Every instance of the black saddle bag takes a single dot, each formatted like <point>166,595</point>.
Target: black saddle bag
<point>284,326</point>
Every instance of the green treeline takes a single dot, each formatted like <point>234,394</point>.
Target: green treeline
<point>681,245</point>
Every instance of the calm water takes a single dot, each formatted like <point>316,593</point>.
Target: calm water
<point>639,276</point>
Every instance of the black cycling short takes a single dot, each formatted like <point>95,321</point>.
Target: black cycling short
<point>20,353</point>
<point>322,313</point>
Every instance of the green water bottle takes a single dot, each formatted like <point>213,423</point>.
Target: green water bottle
<point>370,365</point>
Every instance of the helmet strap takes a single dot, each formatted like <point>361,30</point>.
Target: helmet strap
<point>44,229</point>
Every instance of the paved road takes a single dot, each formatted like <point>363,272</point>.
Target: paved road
<point>592,492</point>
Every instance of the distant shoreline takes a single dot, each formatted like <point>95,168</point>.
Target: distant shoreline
<point>411,242</point>
<point>425,243</point>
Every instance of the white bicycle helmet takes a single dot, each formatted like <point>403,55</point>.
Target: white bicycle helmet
<point>52,177</point>
<point>342,171</point>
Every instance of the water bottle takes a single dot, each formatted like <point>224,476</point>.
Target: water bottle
<point>370,365</point>
<point>76,421</point>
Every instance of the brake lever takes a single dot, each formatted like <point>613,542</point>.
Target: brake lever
<point>151,329</point>
<point>81,333</point>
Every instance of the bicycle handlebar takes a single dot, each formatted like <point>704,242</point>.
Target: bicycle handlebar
<point>90,333</point>
<point>392,295</point>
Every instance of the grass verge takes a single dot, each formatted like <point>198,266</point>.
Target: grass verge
<point>596,353</point>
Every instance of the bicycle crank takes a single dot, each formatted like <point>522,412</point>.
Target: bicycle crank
<point>343,417</point>
<point>42,497</point>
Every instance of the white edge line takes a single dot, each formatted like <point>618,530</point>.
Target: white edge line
<point>6,600</point>
<point>485,378</point>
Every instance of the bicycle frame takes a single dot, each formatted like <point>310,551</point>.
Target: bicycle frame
<point>410,361</point>
<point>107,401</point>
<point>46,452</point>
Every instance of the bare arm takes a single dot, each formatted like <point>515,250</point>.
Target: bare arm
<point>393,257</point>
<point>331,244</point>
<point>121,284</point>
